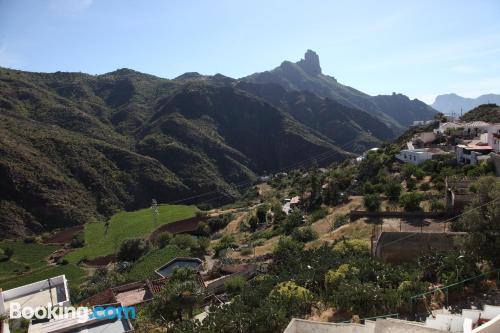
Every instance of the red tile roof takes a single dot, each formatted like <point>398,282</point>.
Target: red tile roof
<point>104,297</point>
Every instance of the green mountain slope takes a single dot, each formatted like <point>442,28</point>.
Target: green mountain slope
<point>485,112</point>
<point>74,147</point>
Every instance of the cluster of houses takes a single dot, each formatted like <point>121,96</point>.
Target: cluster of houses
<point>486,320</point>
<point>54,293</point>
<point>464,142</point>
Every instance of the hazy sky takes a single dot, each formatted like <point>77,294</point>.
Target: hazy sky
<point>419,48</point>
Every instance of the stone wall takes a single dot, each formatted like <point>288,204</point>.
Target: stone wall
<point>399,247</point>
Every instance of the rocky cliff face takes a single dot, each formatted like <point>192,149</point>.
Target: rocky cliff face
<point>306,75</point>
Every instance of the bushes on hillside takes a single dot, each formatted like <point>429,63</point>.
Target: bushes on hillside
<point>318,214</point>
<point>372,202</point>
<point>234,285</point>
<point>132,249</point>
<point>340,221</point>
<point>411,201</point>
<point>293,220</point>
<point>219,222</point>
<point>77,240</point>
<point>304,235</point>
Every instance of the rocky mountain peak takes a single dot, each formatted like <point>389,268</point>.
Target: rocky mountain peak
<point>310,63</point>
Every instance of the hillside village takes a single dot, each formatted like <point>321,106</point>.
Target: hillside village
<point>403,237</point>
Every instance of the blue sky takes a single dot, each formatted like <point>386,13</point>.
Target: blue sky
<point>419,48</point>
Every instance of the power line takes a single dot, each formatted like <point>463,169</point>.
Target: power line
<point>318,157</point>
<point>450,219</point>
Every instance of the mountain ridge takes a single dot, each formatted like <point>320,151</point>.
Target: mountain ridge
<point>76,147</point>
<point>453,103</point>
<point>396,109</point>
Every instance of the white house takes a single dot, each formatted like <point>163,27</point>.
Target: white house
<point>492,137</point>
<point>471,129</point>
<point>83,324</point>
<point>418,156</point>
<point>473,152</point>
<point>52,291</point>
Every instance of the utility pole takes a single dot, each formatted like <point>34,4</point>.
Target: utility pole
<point>154,209</point>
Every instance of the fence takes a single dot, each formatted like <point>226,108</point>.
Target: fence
<point>356,214</point>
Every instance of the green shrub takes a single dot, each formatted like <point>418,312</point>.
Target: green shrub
<point>246,251</point>
<point>392,190</point>
<point>184,241</point>
<point>411,201</point>
<point>293,220</point>
<point>340,221</point>
<point>77,240</point>
<point>425,187</point>
<point>234,285</point>
<point>317,214</point>
<point>372,202</point>
<point>132,249</point>
<point>436,205</point>
<point>217,223</point>
<point>304,235</point>
<point>352,247</point>
<point>8,252</point>
<point>30,239</point>
<point>225,242</point>
<point>163,239</point>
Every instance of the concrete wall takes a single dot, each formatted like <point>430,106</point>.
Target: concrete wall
<point>496,162</point>
<point>493,326</point>
<point>308,326</point>
<point>36,287</point>
<point>399,247</point>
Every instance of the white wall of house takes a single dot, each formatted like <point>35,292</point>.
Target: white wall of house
<point>415,156</point>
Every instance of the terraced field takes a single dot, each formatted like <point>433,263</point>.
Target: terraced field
<point>104,239</point>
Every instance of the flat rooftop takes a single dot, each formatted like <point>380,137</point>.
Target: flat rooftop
<point>38,294</point>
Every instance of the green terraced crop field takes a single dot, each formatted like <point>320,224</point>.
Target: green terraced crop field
<point>123,225</point>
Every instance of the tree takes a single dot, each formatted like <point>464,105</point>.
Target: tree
<point>179,296</point>
<point>227,241</point>
<point>292,296</point>
<point>304,235</point>
<point>393,190</point>
<point>411,201</point>
<point>253,222</point>
<point>261,214</point>
<point>163,239</point>
<point>481,219</point>
<point>334,277</point>
<point>372,202</point>
<point>184,241</point>
<point>352,247</point>
<point>436,205</point>
<point>234,285</point>
<point>340,221</point>
<point>293,220</point>
<point>132,249</point>
<point>8,252</point>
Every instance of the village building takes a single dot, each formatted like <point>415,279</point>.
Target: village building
<point>420,155</point>
<point>473,152</point>
<point>486,320</point>
<point>52,291</point>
